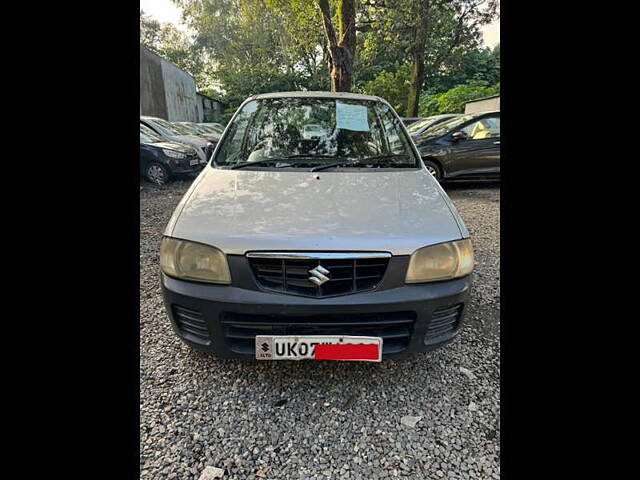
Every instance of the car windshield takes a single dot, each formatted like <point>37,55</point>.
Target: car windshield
<point>445,127</point>
<point>148,136</point>
<point>168,128</point>
<point>200,130</point>
<point>183,128</point>
<point>414,127</point>
<point>302,132</point>
<point>211,127</point>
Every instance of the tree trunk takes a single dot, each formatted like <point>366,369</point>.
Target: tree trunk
<point>342,49</point>
<point>422,13</point>
<point>347,29</point>
<point>417,79</point>
<point>417,73</point>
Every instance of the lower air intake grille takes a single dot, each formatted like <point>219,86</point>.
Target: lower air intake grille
<point>395,328</point>
<point>191,325</point>
<point>443,321</point>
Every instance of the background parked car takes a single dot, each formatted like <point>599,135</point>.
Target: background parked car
<point>195,129</point>
<point>160,160</point>
<point>171,133</point>
<point>416,128</point>
<point>409,120</point>
<point>466,147</point>
<point>212,127</point>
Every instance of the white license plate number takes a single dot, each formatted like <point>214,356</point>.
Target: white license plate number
<point>305,347</point>
<point>194,162</point>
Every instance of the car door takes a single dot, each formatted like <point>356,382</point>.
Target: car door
<point>477,152</point>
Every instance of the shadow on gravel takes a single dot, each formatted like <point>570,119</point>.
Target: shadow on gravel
<point>322,385</point>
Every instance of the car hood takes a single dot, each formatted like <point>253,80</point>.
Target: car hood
<point>240,210</point>
<point>211,137</point>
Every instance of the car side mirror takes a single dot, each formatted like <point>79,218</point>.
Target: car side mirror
<point>457,136</point>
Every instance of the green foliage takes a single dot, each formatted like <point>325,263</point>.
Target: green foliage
<point>453,101</point>
<point>475,66</point>
<point>244,47</point>
<point>259,45</point>
<point>176,47</point>
<point>392,86</point>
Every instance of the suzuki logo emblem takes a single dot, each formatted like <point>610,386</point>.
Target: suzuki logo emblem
<point>319,275</point>
<point>265,347</point>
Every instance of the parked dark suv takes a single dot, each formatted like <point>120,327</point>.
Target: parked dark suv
<point>463,148</point>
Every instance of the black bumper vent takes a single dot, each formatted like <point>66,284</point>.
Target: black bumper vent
<point>444,321</point>
<point>395,328</point>
<point>191,325</point>
<point>292,275</point>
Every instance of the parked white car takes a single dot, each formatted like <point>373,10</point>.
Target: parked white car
<point>341,247</point>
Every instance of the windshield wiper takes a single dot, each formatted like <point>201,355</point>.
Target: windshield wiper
<point>257,162</point>
<point>380,158</point>
<point>277,159</point>
<point>341,163</point>
<point>353,162</point>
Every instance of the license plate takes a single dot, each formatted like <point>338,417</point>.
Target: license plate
<point>318,347</point>
<point>194,162</point>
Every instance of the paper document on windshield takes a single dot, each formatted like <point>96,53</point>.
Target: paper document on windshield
<point>351,117</point>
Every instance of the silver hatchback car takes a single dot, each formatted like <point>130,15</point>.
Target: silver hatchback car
<point>337,245</point>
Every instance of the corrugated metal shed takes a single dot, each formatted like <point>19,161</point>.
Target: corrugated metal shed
<point>209,109</point>
<point>165,90</point>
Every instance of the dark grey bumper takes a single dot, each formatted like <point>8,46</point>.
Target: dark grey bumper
<point>225,319</point>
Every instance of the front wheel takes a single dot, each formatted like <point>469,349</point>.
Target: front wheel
<point>433,169</point>
<point>157,173</point>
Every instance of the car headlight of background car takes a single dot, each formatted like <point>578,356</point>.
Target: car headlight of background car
<point>174,154</point>
<point>443,261</point>
<point>193,261</point>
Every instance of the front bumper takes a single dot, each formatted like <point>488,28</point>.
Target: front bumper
<point>224,319</point>
<point>185,168</point>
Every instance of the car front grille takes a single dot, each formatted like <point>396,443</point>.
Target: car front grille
<point>191,325</point>
<point>346,274</point>
<point>443,321</point>
<point>395,328</point>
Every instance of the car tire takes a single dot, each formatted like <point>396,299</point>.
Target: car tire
<point>433,169</point>
<point>157,173</point>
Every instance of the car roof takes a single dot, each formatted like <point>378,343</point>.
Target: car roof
<point>300,94</point>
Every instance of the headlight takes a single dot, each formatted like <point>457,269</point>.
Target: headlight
<point>193,261</point>
<point>441,262</point>
<point>174,154</point>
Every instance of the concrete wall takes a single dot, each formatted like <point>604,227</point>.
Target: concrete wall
<point>483,105</point>
<point>165,90</point>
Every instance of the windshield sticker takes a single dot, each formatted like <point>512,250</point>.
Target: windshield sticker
<point>351,117</point>
<point>250,107</point>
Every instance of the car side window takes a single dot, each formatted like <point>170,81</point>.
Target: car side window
<point>488,127</point>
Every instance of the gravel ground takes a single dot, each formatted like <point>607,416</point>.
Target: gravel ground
<point>433,415</point>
